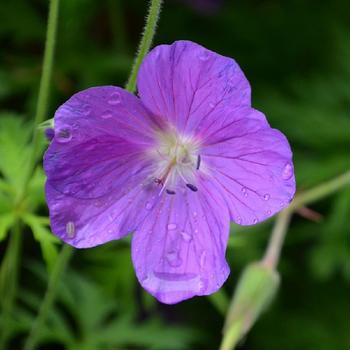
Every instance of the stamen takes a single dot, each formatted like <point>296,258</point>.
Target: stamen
<point>192,187</point>
<point>158,181</point>
<point>170,192</point>
<point>198,162</point>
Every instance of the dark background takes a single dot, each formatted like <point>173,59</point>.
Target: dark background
<point>296,54</point>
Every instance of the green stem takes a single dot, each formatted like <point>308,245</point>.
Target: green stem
<point>9,281</point>
<point>278,235</point>
<point>220,301</point>
<point>145,43</point>
<point>44,88</point>
<point>320,191</point>
<point>54,280</point>
<point>279,232</point>
<point>274,247</point>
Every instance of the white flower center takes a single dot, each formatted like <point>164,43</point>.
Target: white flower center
<point>176,161</point>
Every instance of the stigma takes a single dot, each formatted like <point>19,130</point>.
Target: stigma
<point>176,162</point>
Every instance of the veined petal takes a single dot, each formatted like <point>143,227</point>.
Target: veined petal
<point>179,251</point>
<point>98,172</point>
<point>252,166</point>
<point>192,88</point>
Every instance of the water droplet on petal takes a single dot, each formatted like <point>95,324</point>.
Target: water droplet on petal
<point>86,109</point>
<point>70,229</point>
<point>239,220</point>
<point>148,205</point>
<point>202,259</point>
<point>173,258</point>
<point>266,197</point>
<point>63,135</point>
<point>172,226</point>
<point>107,115</point>
<point>211,105</point>
<point>268,212</point>
<point>204,55</point>
<point>287,172</point>
<point>202,285</point>
<point>114,98</point>
<point>186,236</point>
<point>255,221</point>
<point>244,191</point>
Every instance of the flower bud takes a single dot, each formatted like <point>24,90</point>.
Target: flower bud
<point>256,289</point>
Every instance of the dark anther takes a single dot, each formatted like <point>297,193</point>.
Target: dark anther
<point>50,134</point>
<point>170,192</point>
<point>158,181</point>
<point>198,162</point>
<point>192,187</point>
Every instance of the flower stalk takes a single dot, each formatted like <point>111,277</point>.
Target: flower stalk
<point>145,43</point>
<point>44,89</point>
<point>259,282</point>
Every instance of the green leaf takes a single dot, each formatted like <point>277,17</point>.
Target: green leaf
<point>6,221</point>
<point>48,242</point>
<point>14,151</point>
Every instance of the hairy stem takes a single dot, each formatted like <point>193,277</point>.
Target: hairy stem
<point>53,284</point>
<point>44,88</point>
<point>145,43</point>
<point>8,283</point>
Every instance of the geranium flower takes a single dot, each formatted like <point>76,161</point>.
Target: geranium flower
<point>173,166</point>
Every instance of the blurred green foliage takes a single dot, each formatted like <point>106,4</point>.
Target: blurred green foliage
<point>297,56</point>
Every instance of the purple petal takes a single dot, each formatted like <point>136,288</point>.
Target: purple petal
<point>252,166</point>
<point>97,167</point>
<point>179,251</point>
<point>191,87</point>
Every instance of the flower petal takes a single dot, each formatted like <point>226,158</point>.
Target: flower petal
<point>191,87</point>
<point>97,167</point>
<point>252,166</point>
<point>179,251</point>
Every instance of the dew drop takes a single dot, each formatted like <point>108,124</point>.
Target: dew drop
<point>148,206</point>
<point>114,98</point>
<point>86,109</point>
<point>202,259</point>
<point>204,55</point>
<point>268,212</point>
<point>107,115</point>
<point>239,220</point>
<point>255,221</point>
<point>70,229</point>
<point>172,227</point>
<point>186,236</point>
<point>63,135</point>
<point>244,191</point>
<point>287,172</point>
<point>211,105</point>
<point>202,285</point>
<point>266,197</point>
<point>173,258</point>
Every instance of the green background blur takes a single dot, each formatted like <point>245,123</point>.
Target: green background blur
<point>296,54</point>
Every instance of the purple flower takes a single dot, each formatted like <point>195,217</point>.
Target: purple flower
<point>173,166</point>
